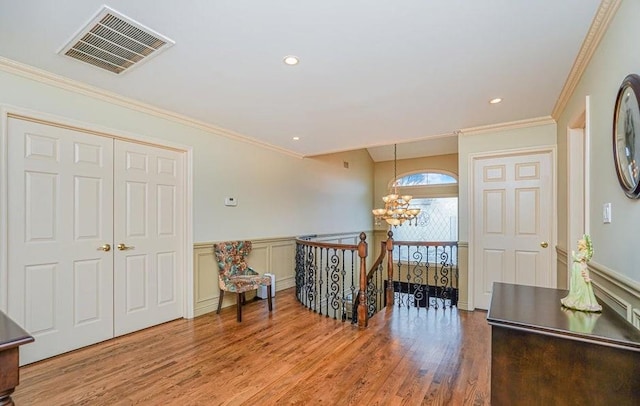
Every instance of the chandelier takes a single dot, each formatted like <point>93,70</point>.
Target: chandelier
<point>396,208</point>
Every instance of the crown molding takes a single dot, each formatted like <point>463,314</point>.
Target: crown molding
<point>42,76</point>
<point>512,125</point>
<point>599,26</point>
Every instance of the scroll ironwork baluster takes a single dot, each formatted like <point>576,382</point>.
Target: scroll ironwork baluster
<point>416,274</point>
<point>322,277</point>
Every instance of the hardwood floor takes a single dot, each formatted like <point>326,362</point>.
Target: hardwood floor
<point>293,356</point>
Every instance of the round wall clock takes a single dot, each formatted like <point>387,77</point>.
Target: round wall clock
<point>626,136</point>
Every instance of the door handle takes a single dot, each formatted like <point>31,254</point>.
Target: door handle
<point>544,244</point>
<point>123,247</point>
<point>105,248</point>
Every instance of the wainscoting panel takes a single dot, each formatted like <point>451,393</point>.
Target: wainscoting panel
<point>463,273</point>
<point>562,270</point>
<point>618,291</point>
<point>283,263</point>
<point>205,278</point>
<point>636,318</point>
<point>258,259</point>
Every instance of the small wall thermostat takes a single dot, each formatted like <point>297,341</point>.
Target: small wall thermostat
<point>230,201</point>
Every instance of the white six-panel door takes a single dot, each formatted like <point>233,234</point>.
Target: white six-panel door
<point>513,220</point>
<point>148,230</point>
<point>72,199</point>
<point>60,215</point>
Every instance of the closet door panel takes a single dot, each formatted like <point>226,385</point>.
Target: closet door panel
<point>60,214</point>
<point>148,189</point>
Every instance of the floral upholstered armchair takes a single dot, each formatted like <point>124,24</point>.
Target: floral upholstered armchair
<point>234,275</point>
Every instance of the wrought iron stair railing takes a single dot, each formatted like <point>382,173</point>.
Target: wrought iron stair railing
<point>425,274</point>
<point>329,276</point>
<point>415,274</point>
<point>419,274</point>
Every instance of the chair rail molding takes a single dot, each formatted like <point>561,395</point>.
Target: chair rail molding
<point>618,291</point>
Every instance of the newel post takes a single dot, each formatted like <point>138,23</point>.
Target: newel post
<point>362,294</point>
<point>389,248</point>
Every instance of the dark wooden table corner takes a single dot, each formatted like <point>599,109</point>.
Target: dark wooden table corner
<point>12,337</point>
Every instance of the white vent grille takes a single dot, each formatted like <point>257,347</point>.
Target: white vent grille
<point>114,42</point>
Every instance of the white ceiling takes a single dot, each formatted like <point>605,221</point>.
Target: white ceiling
<point>415,149</point>
<point>372,72</point>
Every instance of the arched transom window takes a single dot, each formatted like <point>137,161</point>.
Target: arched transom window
<point>426,179</point>
<point>436,194</point>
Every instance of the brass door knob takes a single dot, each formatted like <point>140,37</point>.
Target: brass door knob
<point>105,248</point>
<point>123,247</point>
<point>544,244</point>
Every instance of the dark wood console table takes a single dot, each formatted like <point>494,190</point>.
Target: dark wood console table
<point>11,337</point>
<point>544,354</point>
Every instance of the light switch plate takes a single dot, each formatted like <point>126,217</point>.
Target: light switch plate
<point>230,201</point>
<point>606,213</point>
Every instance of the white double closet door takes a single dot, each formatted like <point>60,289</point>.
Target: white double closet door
<point>95,240</point>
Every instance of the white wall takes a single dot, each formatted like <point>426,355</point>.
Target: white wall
<point>615,244</point>
<point>278,194</point>
<point>615,267</point>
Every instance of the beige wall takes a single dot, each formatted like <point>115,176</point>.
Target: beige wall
<point>616,260</point>
<point>610,64</point>
<point>278,195</point>
<point>486,143</point>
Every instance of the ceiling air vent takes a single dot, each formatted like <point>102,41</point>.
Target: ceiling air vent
<point>114,42</point>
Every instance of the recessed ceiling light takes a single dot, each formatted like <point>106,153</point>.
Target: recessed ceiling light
<point>291,60</point>
<point>296,138</point>
<point>495,101</point>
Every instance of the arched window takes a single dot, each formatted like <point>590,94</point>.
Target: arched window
<point>426,179</point>
<point>436,194</point>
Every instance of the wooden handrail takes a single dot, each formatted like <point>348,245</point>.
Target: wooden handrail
<point>427,243</point>
<point>381,256</point>
<point>328,244</point>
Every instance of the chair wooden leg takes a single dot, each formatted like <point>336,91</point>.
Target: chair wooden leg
<point>269,297</point>
<point>239,306</point>
<point>220,301</point>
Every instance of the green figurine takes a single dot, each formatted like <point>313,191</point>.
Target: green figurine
<point>581,295</point>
